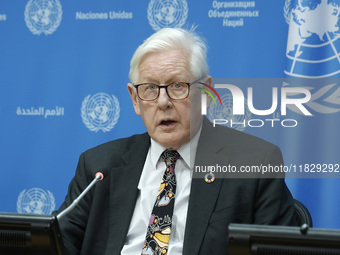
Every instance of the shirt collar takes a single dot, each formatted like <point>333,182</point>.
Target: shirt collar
<point>187,151</point>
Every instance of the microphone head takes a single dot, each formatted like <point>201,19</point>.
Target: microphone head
<point>101,174</point>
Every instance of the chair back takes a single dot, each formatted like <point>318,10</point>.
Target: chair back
<point>302,214</point>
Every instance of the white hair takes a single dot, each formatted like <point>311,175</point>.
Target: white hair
<point>173,38</point>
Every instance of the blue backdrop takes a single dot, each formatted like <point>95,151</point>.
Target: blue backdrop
<point>64,69</point>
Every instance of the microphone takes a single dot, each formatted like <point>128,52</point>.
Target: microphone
<point>98,177</point>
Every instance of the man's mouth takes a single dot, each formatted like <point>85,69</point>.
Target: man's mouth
<point>167,122</point>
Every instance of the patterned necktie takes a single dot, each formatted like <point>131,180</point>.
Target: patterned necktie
<point>159,229</point>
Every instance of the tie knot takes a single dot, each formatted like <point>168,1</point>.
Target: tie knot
<point>170,156</point>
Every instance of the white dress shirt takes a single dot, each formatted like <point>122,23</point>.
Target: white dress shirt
<point>148,186</point>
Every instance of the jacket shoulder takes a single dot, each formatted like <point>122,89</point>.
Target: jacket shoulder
<point>122,144</point>
<point>238,139</point>
<point>110,154</point>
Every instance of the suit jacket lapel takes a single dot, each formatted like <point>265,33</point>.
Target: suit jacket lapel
<point>124,180</point>
<point>203,195</point>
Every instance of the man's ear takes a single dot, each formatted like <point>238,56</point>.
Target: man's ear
<point>208,80</point>
<point>134,98</point>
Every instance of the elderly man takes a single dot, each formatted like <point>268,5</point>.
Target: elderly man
<point>150,202</point>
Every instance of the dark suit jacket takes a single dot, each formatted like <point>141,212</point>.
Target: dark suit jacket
<point>99,224</point>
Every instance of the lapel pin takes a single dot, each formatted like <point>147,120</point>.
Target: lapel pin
<point>209,178</point>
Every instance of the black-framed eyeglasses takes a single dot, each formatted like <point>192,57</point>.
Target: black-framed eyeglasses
<point>174,90</point>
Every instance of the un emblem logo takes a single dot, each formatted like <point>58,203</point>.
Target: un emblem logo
<point>167,13</point>
<point>43,16</point>
<point>313,49</point>
<point>225,111</point>
<point>313,39</point>
<point>36,201</point>
<point>100,112</point>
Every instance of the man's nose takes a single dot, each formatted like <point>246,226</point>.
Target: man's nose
<point>164,100</point>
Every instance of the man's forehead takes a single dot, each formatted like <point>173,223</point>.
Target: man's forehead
<point>164,67</point>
